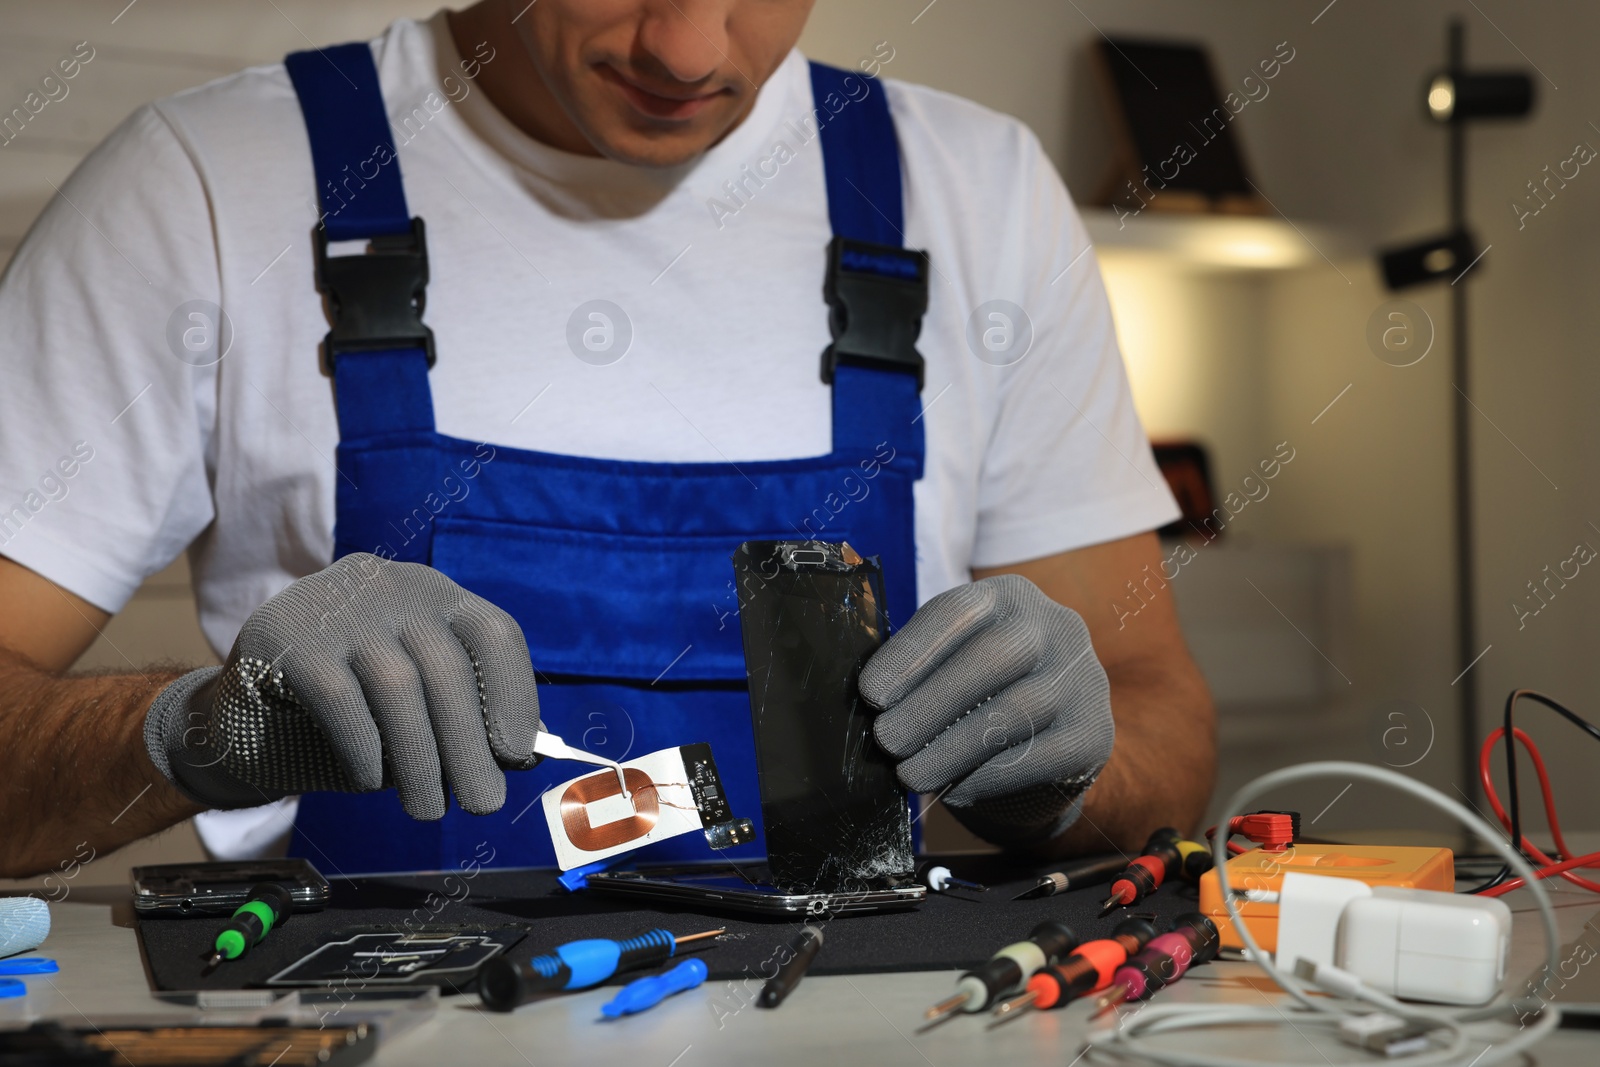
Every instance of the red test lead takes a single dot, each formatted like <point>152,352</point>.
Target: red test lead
<point>1274,831</point>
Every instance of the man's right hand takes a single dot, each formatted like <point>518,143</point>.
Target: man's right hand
<point>366,674</point>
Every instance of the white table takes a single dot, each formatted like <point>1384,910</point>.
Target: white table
<point>866,1019</point>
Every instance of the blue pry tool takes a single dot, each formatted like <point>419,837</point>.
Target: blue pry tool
<point>28,965</point>
<point>645,993</point>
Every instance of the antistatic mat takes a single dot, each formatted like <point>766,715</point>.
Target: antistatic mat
<point>953,930</point>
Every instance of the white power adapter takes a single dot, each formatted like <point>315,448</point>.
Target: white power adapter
<point>1421,944</point>
<point>1416,944</point>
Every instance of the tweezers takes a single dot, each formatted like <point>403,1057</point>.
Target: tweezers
<point>548,744</point>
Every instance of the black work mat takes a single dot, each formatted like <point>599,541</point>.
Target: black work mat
<point>948,930</point>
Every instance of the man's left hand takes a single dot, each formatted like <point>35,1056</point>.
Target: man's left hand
<point>992,697</point>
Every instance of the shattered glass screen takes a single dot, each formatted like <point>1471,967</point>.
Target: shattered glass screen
<point>836,816</point>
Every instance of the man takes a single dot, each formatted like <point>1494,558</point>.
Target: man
<point>628,209</point>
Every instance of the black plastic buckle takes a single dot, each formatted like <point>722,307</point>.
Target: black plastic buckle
<point>375,301</point>
<point>876,295</point>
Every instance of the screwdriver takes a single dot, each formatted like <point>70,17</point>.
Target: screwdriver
<point>1088,969</point>
<point>643,993</point>
<point>575,965</point>
<point>939,879</point>
<point>1193,940</point>
<point>268,903</point>
<point>803,949</point>
<point>1007,970</point>
<point>1166,855</point>
<point>1089,872</point>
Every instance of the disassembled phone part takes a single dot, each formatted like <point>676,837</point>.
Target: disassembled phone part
<point>219,888</point>
<point>445,958</point>
<point>666,793</point>
<point>836,817</point>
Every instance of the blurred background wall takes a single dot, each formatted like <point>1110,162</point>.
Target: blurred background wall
<point>1328,609</point>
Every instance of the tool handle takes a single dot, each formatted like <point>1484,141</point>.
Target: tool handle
<point>1196,861</point>
<point>1061,982</point>
<point>645,993</point>
<point>504,984</point>
<point>581,964</point>
<point>1013,965</point>
<point>1055,939</point>
<point>275,896</point>
<point>1203,935</point>
<point>575,965</point>
<point>1103,958</point>
<point>1163,847</point>
<point>788,975</point>
<point>1134,932</point>
<point>1163,961</point>
<point>646,950</point>
<point>267,904</point>
<point>1139,879</point>
<point>1004,973</point>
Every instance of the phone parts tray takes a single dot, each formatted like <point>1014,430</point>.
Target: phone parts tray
<point>396,958</point>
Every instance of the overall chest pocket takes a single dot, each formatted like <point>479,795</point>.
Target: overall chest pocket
<point>641,608</point>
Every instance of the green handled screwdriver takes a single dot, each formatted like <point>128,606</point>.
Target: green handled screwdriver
<point>269,902</point>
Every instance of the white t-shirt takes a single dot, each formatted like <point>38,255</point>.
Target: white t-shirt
<point>208,196</point>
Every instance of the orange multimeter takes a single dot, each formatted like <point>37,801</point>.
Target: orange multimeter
<point>1405,867</point>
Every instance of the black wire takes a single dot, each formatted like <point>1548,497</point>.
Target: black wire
<point>1499,877</point>
<point>1515,804</point>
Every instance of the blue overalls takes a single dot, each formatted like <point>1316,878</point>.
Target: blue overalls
<point>618,572</point>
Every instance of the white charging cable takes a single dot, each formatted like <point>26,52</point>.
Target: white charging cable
<point>1130,1037</point>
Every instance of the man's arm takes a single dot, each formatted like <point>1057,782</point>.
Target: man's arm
<point>76,768</point>
<point>1163,764</point>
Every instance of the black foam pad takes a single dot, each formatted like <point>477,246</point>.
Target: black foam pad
<point>953,930</point>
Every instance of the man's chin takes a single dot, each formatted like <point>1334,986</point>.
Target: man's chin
<point>643,142</point>
<point>652,151</point>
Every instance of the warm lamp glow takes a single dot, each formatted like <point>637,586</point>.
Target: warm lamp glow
<point>1212,242</point>
<point>1153,311</point>
<point>1442,98</point>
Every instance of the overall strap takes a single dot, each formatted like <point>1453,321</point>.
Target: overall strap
<point>877,290</point>
<point>378,350</point>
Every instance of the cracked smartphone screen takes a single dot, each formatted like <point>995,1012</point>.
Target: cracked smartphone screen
<point>836,817</point>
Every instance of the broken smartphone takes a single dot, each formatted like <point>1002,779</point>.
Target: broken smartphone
<point>836,816</point>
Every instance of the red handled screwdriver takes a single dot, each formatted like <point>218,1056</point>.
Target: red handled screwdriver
<point>1004,974</point>
<point>1088,969</point>
<point>1164,960</point>
<point>1166,855</point>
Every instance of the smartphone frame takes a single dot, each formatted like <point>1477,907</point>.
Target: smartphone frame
<point>675,885</point>
<point>219,888</point>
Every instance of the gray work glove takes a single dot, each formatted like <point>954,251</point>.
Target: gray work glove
<point>366,674</point>
<point>992,697</point>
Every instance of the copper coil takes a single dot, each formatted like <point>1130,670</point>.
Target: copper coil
<point>585,791</point>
